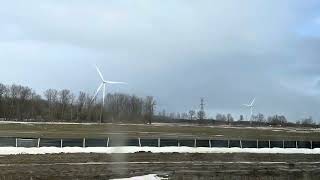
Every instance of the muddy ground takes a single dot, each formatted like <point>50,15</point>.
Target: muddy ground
<point>155,131</point>
<point>175,166</point>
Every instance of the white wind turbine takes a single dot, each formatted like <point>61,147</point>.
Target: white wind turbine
<point>251,106</point>
<point>103,85</point>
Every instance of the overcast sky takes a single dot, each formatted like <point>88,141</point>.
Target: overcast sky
<point>177,51</point>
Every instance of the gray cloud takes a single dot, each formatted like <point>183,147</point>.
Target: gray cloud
<point>177,51</point>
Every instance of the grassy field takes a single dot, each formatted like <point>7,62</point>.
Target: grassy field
<point>156,130</point>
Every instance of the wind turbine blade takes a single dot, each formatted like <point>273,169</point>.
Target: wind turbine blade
<point>115,82</point>
<point>247,105</point>
<point>95,95</point>
<point>100,74</point>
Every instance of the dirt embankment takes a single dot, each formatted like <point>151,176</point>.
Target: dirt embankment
<point>176,166</point>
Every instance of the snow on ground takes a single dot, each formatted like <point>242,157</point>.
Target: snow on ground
<point>147,177</point>
<point>34,122</point>
<point>110,150</point>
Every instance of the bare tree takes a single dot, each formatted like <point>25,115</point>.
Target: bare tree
<point>24,97</point>
<point>201,115</point>
<point>6,102</point>
<point>184,116</point>
<point>178,116</point>
<point>192,113</point>
<point>229,118</point>
<point>222,117</point>
<point>149,108</point>
<point>38,107</point>
<point>163,113</point>
<point>72,99</point>
<point>277,120</point>
<point>3,90</point>
<point>22,103</point>
<point>52,98</point>
<point>64,97</point>
<point>14,96</point>
<point>81,103</point>
<point>260,118</point>
<point>307,121</point>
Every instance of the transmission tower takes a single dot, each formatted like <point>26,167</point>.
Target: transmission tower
<point>202,113</point>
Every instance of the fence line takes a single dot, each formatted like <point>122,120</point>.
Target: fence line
<point>155,142</point>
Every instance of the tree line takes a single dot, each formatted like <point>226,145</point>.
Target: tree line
<point>194,116</point>
<point>21,103</point>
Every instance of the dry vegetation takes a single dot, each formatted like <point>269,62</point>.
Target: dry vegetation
<point>155,130</point>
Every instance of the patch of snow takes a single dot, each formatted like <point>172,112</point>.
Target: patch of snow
<point>300,131</point>
<point>34,122</point>
<point>276,130</point>
<point>147,177</point>
<point>111,150</point>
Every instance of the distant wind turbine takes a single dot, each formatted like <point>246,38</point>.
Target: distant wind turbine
<point>103,85</point>
<point>251,106</point>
